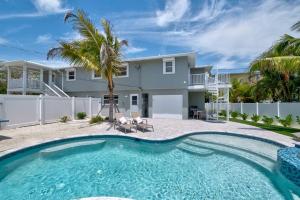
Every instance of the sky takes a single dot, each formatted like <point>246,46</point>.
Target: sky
<point>227,34</point>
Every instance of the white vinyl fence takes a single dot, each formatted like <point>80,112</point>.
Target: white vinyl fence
<point>29,110</point>
<point>268,109</point>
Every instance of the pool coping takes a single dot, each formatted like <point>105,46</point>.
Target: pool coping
<point>11,152</point>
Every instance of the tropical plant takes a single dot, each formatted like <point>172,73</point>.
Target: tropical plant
<point>267,120</point>
<point>255,118</point>
<point>64,119</point>
<point>96,50</point>
<point>96,119</point>
<point>244,116</point>
<point>234,114</point>
<point>280,67</point>
<point>287,121</point>
<point>240,92</point>
<point>298,119</point>
<point>81,115</point>
<point>223,113</point>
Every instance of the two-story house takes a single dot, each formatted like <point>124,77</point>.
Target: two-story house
<point>164,86</point>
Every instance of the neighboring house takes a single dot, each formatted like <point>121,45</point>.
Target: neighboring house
<point>246,77</point>
<point>159,86</point>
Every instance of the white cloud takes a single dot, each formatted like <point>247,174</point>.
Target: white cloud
<point>43,39</point>
<point>174,11</point>
<point>133,50</point>
<point>70,36</point>
<point>49,6</point>
<point>3,41</point>
<point>44,8</point>
<point>233,34</point>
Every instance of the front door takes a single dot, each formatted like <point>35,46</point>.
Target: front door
<point>134,103</point>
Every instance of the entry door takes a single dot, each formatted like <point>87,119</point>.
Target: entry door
<point>134,103</point>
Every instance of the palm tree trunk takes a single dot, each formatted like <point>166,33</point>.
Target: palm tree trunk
<point>111,100</point>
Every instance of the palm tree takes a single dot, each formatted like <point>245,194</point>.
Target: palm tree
<point>95,51</point>
<point>282,63</point>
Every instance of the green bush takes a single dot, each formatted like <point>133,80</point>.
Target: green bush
<point>244,116</point>
<point>267,120</point>
<point>298,119</point>
<point>64,119</point>
<point>287,121</point>
<point>81,115</point>
<point>255,118</point>
<point>234,114</point>
<point>223,113</point>
<point>97,119</point>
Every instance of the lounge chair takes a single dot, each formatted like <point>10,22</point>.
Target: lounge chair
<point>122,122</point>
<point>141,123</point>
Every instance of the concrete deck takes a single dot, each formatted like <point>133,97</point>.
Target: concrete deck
<point>14,139</point>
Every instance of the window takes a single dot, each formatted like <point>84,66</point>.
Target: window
<point>96,74</point>
<point>134,100</point>
<point>123,70</point>
<point>169,66</point>
<point>71,74</point>
<point>106,99</point>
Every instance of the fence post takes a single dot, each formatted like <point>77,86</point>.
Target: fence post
<point>90,107</point>
<point>278,109</point>
<point>73,108</point>
<point>42,109</point>
<point>257,112</point>
<point>242,108</point>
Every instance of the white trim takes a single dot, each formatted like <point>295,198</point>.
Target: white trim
<point>67,74</point>
<point>165,60</point>
<point>93,76</point>
<point>137,103</point>
<point>127,71</point>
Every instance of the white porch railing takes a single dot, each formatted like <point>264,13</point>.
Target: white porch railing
<point>33,84</point>
<point>15,83</point>
<point>197,79</point>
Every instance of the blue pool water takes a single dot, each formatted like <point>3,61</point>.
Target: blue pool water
<point>191,168</point>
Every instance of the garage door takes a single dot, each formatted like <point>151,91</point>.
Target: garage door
<point>167,106</point>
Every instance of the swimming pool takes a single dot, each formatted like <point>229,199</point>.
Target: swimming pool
<point>202,166</point>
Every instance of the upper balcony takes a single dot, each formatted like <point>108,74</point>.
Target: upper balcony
<point>204,80</point>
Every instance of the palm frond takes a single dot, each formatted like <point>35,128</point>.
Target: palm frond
<point>296,27</point>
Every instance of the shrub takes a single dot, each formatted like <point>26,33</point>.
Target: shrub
<point>64,119</point>
<point>267,120</point>
<point>255,118</point>
<point>244,116</point>
<point>298,119</point>
<point>223,113</point>
<point>287,121</point>
<point>97,119</point>
<point>234,114</point>
<point>81,115</point>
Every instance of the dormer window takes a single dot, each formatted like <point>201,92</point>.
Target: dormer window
<point>71,75</point>
<point>96,74</point>
<point>169,66</point>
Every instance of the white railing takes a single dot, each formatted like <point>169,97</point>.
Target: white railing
<point>15,83</point>
<point>33,84</point>
<point>197,79</point>
<point>222,79</point>
<point>58,90</point>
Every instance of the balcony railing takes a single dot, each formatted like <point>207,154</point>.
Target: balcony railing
<point>205,79</point>
<point>18,84</point>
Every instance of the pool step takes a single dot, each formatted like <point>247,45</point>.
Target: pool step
<point>261,160</point>
<point>235,144</point>
<point>73,145</point>
<point>194,150</point>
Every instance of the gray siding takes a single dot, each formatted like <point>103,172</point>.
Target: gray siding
<point>146,75</point>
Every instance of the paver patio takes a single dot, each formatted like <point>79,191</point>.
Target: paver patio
<point>13,139</point>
